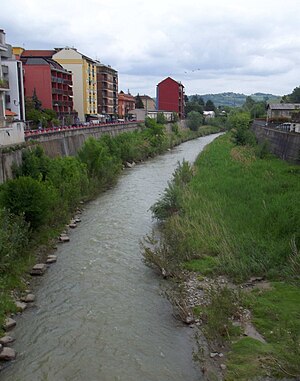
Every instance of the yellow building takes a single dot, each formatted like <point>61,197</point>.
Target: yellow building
<point>84,80</point>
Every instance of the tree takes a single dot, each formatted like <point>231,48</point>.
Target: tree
<point>249,103</point>
<point>194,120</point>
<point>29,197</point>
<point>295,96</point>
<point>209,106</point>
<point>138,102</point>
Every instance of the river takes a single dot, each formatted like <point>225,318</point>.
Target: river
<point>100,313</point>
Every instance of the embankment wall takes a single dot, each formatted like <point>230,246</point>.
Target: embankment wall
<point>285,145</point>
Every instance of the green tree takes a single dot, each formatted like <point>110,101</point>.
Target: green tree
<point>29,197</point>
<point>160,118</point>
<point>138,102</point>
<point>209,106</point>
<point>295,96</point>
<point>194,120</point>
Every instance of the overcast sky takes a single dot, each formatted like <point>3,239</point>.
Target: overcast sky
<point>211,46</point>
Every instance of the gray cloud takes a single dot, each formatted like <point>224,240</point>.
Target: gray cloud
<point>209,46</point>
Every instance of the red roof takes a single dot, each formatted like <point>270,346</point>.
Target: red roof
<point>10,113</point>
<point>38,53</point>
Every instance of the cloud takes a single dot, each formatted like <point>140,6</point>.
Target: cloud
<point>210,46</point>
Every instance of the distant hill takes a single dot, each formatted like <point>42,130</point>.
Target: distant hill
<point>236,99</point>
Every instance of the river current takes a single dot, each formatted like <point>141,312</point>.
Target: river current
<point>100,313</point>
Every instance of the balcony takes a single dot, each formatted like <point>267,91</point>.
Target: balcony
<point>4,85</point>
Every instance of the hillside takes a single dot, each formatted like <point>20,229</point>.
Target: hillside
<point>236,99</point>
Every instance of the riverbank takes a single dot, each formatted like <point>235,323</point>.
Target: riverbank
<point>231,224</point>
<point>42,240</point>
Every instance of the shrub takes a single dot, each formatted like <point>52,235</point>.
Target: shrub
<point>29,197</point>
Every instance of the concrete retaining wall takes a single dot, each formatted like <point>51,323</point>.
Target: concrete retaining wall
<point>285,145</point>
<point>60,143</point>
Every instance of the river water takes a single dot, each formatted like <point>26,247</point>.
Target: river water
<point>100,313</point>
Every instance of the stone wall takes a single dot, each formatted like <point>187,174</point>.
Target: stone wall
<point>285,145</point>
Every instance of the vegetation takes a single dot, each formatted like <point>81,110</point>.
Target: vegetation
<point>235,99</point>
<point>37,115</point>
<point>37,203</point>
<point>238,216</point>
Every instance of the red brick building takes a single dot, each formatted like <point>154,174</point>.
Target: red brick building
<point>50,81</point>
<point>170,96</point>
<point>126,102</point>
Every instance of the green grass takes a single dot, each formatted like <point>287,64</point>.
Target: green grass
<point>246,359</point>
<point>205,265</point>
<point>244,210</point>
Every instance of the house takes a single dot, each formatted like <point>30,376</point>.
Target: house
<point>84,71</point>
<point>148,102</point>
<point>126,102</point>
<point>107,91</point>
<point>170,96</point>
<point>209,114</point>
<point>49,81</point>
<point>281,110</point>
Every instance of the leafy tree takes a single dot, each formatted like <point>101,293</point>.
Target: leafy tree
<point>160,118</point>
<point>249,103</point>
<point>295,96</point>
<point>194,120</point>
<point>101,166</point>
<point>34,164</point>
<point>239,123</point>
<point>209,106</point>
<point>69,176</point>
<point>29,197</point>
<point>138,102</point>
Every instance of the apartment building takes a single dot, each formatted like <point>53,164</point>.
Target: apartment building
<point>49,81</point>
<point>107,91</point>
<point>126,102</point>
<point>84,71</point>
<point>12,111</point>
<point>170,96</point>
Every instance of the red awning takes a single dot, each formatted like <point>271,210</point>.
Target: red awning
<point>10,113</point>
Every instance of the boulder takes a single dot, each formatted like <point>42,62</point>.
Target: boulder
<point>7,354</point>
<point>9,323</point>
<point>38,269</point>
<point>73,225</point>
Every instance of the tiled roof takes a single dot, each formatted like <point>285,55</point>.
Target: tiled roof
<point>10,113</point>
<point>38,53</point>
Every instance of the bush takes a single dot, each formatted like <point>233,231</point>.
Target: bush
<point>13,239</point>
<point>31,198</point>
<point>194,120</point>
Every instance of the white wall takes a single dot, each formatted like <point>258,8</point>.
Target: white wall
<point>13,134</point>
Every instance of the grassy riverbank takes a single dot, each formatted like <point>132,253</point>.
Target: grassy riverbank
<point>236,216</point>
<point>40,200</point>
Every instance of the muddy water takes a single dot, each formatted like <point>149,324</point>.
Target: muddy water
<point>100,312</point>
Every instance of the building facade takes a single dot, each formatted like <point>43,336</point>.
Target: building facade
<point>107,91</point>
<point>49,81</point>
<point>12,111</point>
<point>148,102</point>
<point>282,110</point>
<point>170,96</point>
<point>126,102</point>
<point>84,71</point>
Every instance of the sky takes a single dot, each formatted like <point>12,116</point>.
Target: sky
<point>210,46</point>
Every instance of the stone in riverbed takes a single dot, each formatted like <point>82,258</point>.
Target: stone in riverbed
<point>7,354</point>
<point>5,340</point>
<point>21,306</point>
<point>73,225</point>
<point>28,298</point>
<point>38,269</point>
<point>64,238</point>
<point>51,259</point>
<point>9,323</point>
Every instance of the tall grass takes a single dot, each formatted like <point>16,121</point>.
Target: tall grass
<point>242,209</point>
